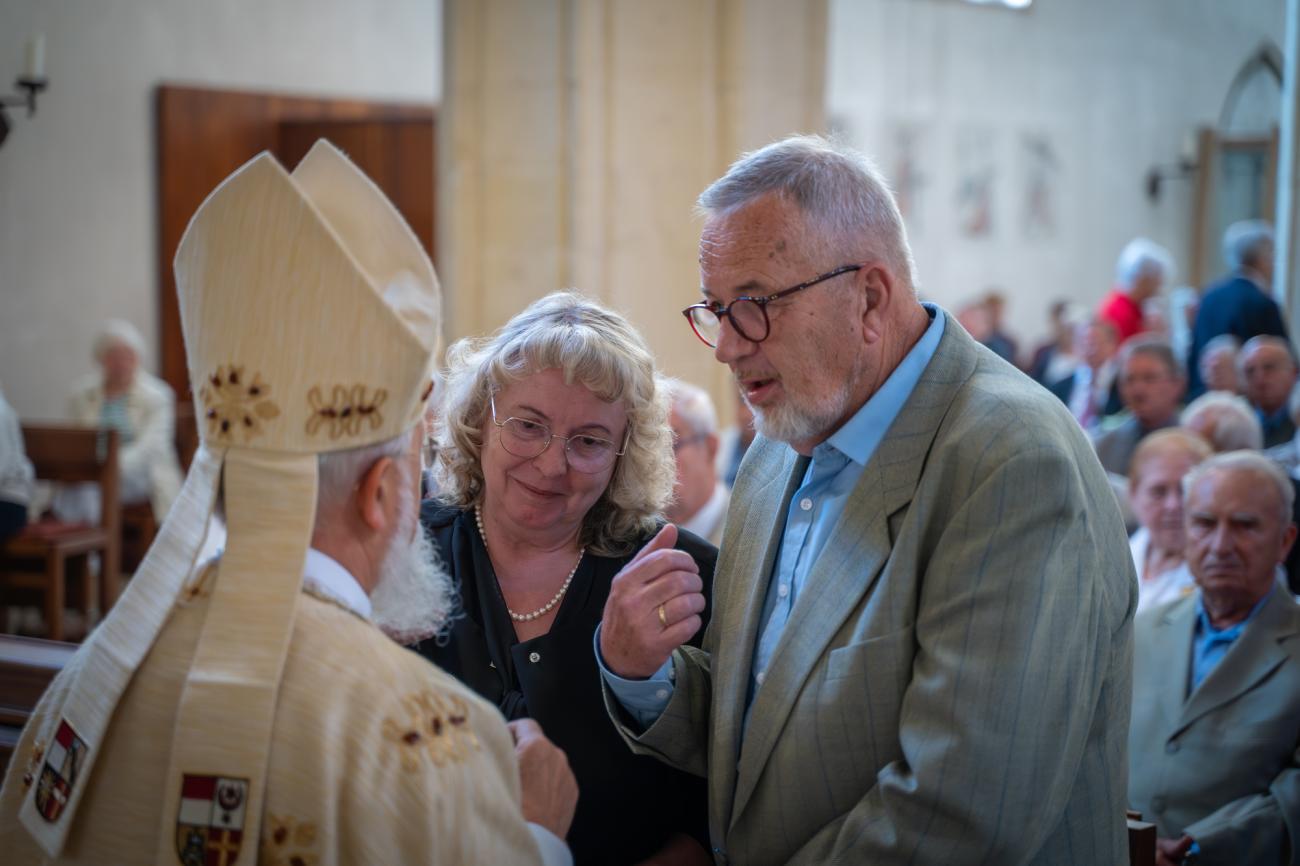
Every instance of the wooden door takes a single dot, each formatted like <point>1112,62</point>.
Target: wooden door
<point>204,135</point>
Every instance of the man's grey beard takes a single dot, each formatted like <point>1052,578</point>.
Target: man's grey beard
<point>790,423</point>
<point>414,597</point>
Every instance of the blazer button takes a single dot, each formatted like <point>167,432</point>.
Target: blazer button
<point>1171,748</point>
<point>534,657</point>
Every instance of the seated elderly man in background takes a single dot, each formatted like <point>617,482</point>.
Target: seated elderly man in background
<point>700,498</point>
<point>1140,273</point>
<point>1224,420</point>
<point>1155,491</point>
<point>1151,383</point>
<point>1268,373</point>
<point>1092,390</point>
<point>141,408</point>
<point>1218,364</point>
<point>1216,679</point>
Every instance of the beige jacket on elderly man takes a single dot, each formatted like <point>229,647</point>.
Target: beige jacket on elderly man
<point>149,461</point>
<point>221,715</point>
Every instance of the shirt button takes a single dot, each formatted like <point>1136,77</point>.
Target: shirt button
<point>783,590</point>
<point>534,657</point>
<point>805,504</point>
<point>662,694</point>
<point>1171,748</point>
<point>761,676</point>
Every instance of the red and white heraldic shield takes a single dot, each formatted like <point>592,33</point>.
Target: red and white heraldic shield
<point>210,823</point>
<point>62,767</point>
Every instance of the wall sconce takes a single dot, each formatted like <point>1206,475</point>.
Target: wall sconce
<point>1184,168</point>
<point>31,82</point>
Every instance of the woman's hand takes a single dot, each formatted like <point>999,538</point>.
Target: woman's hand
<point>654,606</point>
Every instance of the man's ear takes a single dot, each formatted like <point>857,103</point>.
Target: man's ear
<point>711,445</point>
<point>878,288</point>
<point>1288,539</point>
<point>375,493</point>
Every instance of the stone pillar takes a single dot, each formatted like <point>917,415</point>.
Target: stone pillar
<point>1286,277</point>
<point>576,135</point>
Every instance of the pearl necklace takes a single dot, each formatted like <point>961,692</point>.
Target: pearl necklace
<point>546,608</point>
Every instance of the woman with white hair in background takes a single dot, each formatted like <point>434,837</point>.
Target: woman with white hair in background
<point>555,465</point>
<point>142,409</point>
<point>1155,491</point>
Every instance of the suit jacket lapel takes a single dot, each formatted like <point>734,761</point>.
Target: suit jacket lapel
<point>752,555</point>
<point>1172,650</point>
<point>1255,655</point>
<point>851,561</point>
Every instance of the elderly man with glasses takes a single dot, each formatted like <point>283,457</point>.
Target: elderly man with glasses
<point>921,642</point>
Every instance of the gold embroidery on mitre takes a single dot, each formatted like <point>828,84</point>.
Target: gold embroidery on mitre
<point>233,403</point>
<point>435,727</point>
<point>38,752</point>
<point>288,842</point>
<point>346,411</point>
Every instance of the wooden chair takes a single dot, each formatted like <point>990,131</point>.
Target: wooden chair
<point>27,665</point>
<point>36,559</point>
<point>1141,841</point>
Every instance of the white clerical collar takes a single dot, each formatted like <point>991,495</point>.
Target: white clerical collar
<point>321,573</point>
<point>703,522</point>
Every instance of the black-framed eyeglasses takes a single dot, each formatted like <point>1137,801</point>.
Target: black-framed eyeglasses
<point>585,453</point>
<point>748,316</point>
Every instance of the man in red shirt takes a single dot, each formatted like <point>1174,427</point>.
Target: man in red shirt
<point>1142,270</point>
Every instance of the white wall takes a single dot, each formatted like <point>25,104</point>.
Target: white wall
<point>78,226</point>
<point>1116,86</point>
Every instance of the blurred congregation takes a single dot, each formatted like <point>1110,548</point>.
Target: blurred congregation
<point>854,431</point>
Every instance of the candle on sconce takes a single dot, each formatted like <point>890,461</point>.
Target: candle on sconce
<point>35,68</point>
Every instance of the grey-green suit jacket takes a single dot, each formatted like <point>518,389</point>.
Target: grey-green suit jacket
<point>1223,763</point>
<point>953,684</point>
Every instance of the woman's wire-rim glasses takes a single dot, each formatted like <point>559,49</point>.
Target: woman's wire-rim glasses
<point>526,438</point>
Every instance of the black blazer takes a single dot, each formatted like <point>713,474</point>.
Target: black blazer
<point>628,805</point>
<point>1062,388</point>
<point>1234,306</point>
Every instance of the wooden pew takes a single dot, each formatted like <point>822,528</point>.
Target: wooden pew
<point>27,665</point>
<point>1141,841</point>
<point>36,559</point>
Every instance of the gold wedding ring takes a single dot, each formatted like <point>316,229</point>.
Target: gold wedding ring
<point>662,617</point>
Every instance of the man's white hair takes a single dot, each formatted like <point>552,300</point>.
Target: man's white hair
<point>1142,258</point>
<point>1236,426</point>
<point>340,471</point>
<point>1247,461</point>
<point>840,190</point>
<point>693,404</point>
<point>1245,243</point>
<point>117,332</point>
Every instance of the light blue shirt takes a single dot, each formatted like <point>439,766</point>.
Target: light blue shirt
<point>1210,645</point>
<point>832,474</point>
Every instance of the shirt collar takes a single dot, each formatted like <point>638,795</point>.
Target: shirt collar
<point>702,522</point>
<point>323,574</point>
<point>860,436</point>
<point>1232,632</point>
